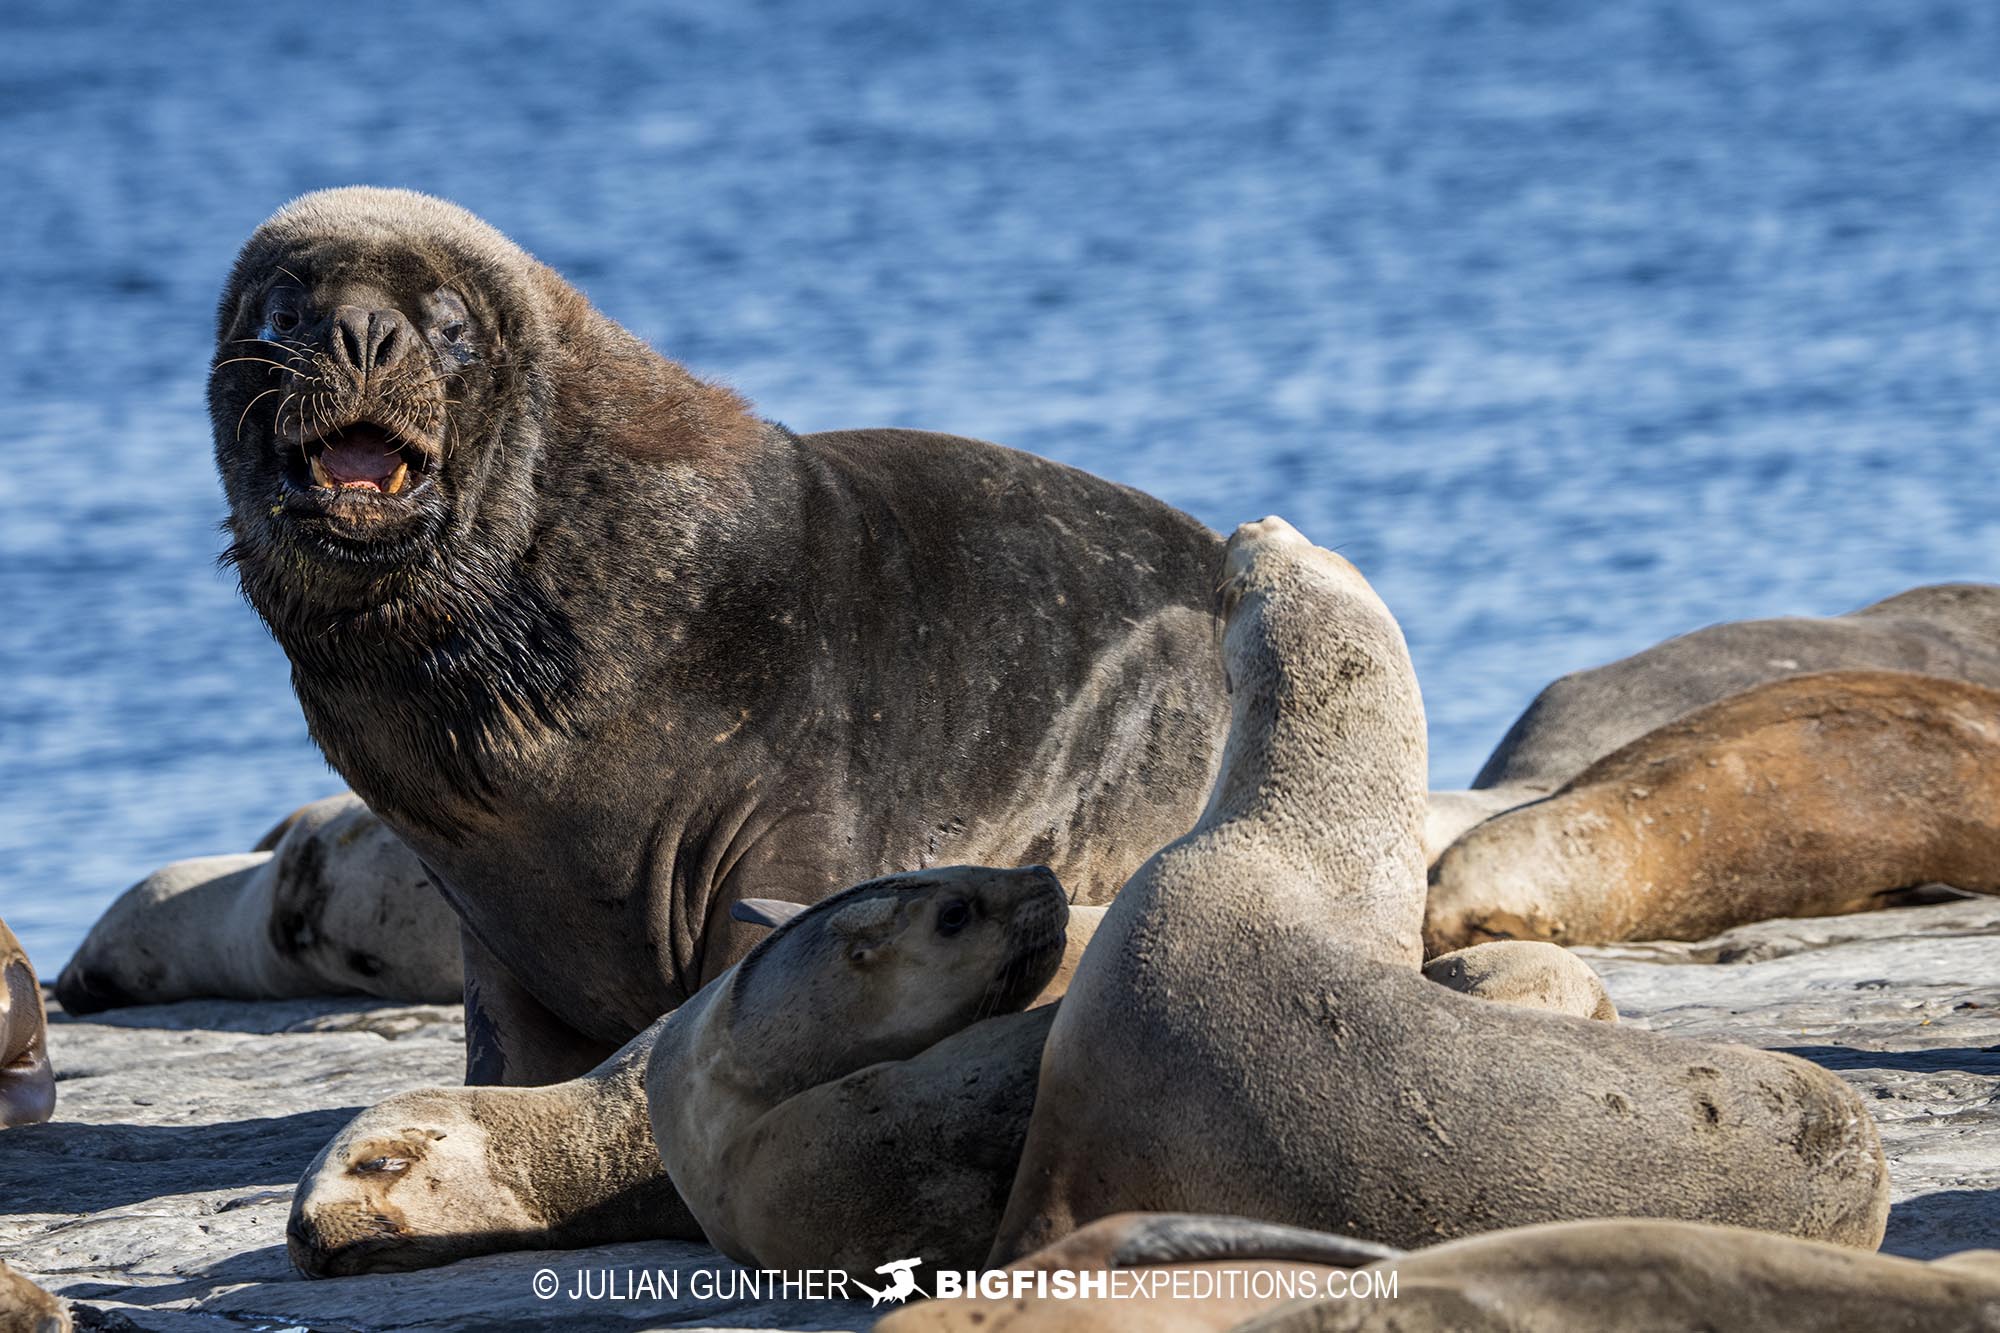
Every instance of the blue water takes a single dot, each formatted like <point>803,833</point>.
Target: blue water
<point>1574,324</point>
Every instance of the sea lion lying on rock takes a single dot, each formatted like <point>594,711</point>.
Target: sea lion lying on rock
<point>608,652</point>
<point>1643,1275</point>
<point>900,1157</point>
<point>1656,1277</point>
<point>1249,1032</point>
<point>1811,796</point>
<point>865,981</point>
<point>27,1083</point>
<point>1186,1274</point>
<point>338,907</point>
<point>1947,629</point>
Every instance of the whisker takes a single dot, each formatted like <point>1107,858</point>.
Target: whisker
<point>252,403</point>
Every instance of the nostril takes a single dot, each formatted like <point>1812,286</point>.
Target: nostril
<point>386,347</point>
<point>351,343</point>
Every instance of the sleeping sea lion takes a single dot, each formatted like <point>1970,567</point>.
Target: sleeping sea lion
<point>1946,629</point>
<point>608,652</point>
<point>338,907</point>
<point>1810,796</point>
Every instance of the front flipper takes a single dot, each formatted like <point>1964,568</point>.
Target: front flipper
<point>510,1037</point>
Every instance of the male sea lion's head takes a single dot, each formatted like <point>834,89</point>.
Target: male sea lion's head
<point>374,382</point>
<point>394,380</point>
<point>892,966</point>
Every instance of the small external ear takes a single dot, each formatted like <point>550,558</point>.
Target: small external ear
<point>772,912</point>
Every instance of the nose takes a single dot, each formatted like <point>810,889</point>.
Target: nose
<point>369,341</point>
<point>83,990</point>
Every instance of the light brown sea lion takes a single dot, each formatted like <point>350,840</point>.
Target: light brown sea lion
<point>1180,1273</point>
<point>26,1308</point>
<point>609,652</point>
<point>1329,1084</point>
<point>1947,629</point>
<point>431,1176</point>
<point>1528,973</point>
<point>1810,796</point>
<point>338,907</point>
<point>1654,1277</point>
<point>27,1083</point>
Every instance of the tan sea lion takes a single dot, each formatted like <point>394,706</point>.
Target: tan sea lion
<point>26,1308</point>
<point>1947,629</point>
<point>1810,796</point>
<point>27,1083</point>
<point>431,1176</point>
<point>340,906</point>
<point>1399,1111</point>
<point>1177,1273</point>
<point>1526,972</point>
<point>609,652</point>
<point>1653,1277</point>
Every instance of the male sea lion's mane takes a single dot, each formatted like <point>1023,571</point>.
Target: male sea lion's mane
<point>462,630</point>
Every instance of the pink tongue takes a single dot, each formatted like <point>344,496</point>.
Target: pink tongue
<point>359,462</point>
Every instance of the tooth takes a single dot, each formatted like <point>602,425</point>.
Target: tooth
<point>321,477</point>
<point>397,478</point>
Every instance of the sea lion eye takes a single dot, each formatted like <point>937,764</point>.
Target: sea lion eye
<point>453,331</point>
<point>382,1165</point>
<point>954,916</point>
<point>281,313</point>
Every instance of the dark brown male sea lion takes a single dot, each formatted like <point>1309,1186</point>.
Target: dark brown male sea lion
<point>609,652</point>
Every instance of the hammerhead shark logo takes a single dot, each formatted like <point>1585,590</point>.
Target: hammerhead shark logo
<point>901,1286</point>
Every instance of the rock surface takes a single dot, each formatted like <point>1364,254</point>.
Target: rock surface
<point>159,1193</point>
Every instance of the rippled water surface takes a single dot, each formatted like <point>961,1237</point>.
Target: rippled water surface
<point>1574,325</point>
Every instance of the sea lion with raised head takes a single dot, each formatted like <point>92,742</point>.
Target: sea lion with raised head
<point>27,1083</point>
<point>928,965</point>
<point>609,652</point>
<point>1330,1084</point>
<point>338,907</point>
<point>1946,629</point>
<point>879,973</point>
<point>900,1157</point>
<point>1810,796</point>
<point>1652,1277</point>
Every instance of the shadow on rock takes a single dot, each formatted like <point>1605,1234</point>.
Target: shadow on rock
<point>67,1167</point>
<point>1935,1060</point>
<point>1941,1222</point>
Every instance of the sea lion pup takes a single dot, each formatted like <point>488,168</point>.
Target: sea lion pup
<point>26,1308</point>
<point>27,1083</point>
<point>609,652</point>
<point>340,907</point>
<point>1197,1274</point>
<point>431,1176</point>
<point>1528,973</point>
<point>1330,1084</point>
<point>1652,1277</point>
<point>1810,796</point>
<point>1947,629</point>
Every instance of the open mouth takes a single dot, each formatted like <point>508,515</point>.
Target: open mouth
<point>363,457</point>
